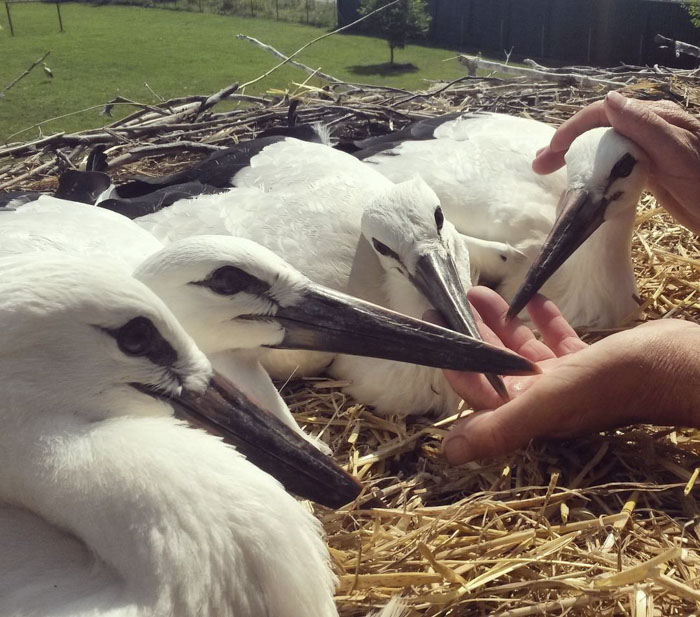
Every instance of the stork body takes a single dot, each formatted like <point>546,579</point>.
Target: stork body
<point>480,167</point>
<point>53,225</point>
<point>110,506</point>
<point>234,297</point>
<point>345,227</point>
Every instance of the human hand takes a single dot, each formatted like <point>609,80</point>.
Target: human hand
<point>669,136</point>
<point>648,374</point>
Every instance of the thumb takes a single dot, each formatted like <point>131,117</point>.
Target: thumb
<point>639,123</point>
<point>487,434</point>
<point>550,407</point>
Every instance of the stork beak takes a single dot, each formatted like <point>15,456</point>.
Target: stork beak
<point>579,216</point>
<point>326,320</point>
<point>438,280</point>
<point>268,443</point>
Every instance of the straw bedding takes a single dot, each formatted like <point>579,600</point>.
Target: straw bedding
<point>607,524</point>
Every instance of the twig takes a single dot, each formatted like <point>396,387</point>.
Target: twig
<point>678,46</point>
<point>473,62</point>
<point>316,40</point>
<point>140,153</point>
<point>29,70</point>
<point>279,54</point>
<point>217,97</point>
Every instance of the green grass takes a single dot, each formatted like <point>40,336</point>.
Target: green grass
<point>114,50</point>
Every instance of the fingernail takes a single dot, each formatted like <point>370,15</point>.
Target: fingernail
<point>455,449</point>
<point>540,151</point>
<point>616,100</point>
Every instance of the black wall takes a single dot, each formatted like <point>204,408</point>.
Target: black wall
<point>596,32</point>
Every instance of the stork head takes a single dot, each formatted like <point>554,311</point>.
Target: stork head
<point>231,293</point>
<point>90,342</point>
<point>409,234</point>
<point>606,173</point>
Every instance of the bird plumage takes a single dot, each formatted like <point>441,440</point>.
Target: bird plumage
<point>480,167</point>
<point>109,505</point>
<point>293,196</point>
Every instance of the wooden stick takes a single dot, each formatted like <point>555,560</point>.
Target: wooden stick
<point>140,153</point>
<point>679,46</point>
<point>316,40</point>
<point>217,97</point>
<point>279,54</point>
<point>473,63</point>
<point>29,70</point>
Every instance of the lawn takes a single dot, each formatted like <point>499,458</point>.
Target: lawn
<point>116,50</point>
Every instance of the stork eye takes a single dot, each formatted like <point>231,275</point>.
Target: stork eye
<point>439,218</point>
<point>229,280</point>
<point>136,337</point>
<point>383,249</point>
<point>623,167</point>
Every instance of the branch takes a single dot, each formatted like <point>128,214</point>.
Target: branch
<point>29,70</point>
<point>145,151</point>
<point>217,97</point>
<point>279,54</point>
<point>679,46</point>
<point>473,63</point>
<point>316,40</point>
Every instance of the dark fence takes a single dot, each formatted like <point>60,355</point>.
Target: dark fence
<point>594,32</point>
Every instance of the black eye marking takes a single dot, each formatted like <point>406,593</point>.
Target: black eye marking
<point>439,218</point>
<point>229,280</point>
<point>503,257</point>
<point>623,167</point>
<point>139,337</point>
<point>383,249</point>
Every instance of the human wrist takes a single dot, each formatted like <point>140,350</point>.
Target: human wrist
<point>668,355</point>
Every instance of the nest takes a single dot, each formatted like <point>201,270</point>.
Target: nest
<point>607,524</point>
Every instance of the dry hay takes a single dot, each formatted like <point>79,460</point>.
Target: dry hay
<point>608,524</point>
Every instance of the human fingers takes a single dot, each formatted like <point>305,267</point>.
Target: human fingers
<point>474,388</point>
<point>513,332</point>
<point>565,401</point>
<point>548,161</point>
<point>649,126</point>
<point>556,332</point>
<point>551,157</point>
<point>588,118</point>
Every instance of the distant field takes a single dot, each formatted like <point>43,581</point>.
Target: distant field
<point>113,50</point>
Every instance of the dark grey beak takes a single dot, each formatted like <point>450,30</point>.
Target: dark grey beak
<point>327,320</point>
<point>267,443</point>
<point>579,216</point>
<point>437,279</point>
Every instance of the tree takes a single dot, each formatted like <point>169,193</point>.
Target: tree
<point>404,20</point>
<point>693,8</point>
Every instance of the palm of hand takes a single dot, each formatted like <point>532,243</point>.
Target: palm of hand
<point>582,387</point>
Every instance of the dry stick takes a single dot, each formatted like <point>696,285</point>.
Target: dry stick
<point>72,113</point>
<point>279,54</point>
<point>679,47</point>
<point>107,110</point>
<point>472,63</point>
<point>29,174</point>
<point>29,70</point>
<point>29,146</point>
<point>217,97</point>
<point>316,40</point>
<point>146,151</point>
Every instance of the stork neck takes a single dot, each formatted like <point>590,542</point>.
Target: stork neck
<point>124,487</point>
<point>598,285</point>
<point>243,368</point>
<point>172,511</point>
